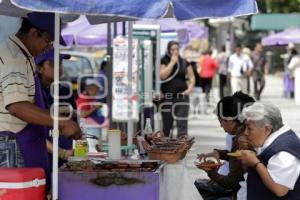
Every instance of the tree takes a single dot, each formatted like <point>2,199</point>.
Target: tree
<point>279,6</point>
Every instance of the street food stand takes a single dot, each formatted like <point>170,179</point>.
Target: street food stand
<point>133,9</point>
<point>132,179</point>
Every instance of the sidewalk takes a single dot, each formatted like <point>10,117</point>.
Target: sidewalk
<point>210,135</point>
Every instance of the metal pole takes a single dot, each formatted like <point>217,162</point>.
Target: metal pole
<point>124,28</point>
<point>129,77</point>
<point>157,65</point>
<point>142,83</point>
<point>109,71</point>
<point>157,126</point>
<point>55,132</point>
<point>115,29</point>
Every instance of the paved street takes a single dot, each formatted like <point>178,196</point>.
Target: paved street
<point>209,134</point>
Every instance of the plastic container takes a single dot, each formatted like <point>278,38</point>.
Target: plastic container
<point>114,144</point>
<point>23,183</point>
<point>148,128</point>
<point>81,148</point>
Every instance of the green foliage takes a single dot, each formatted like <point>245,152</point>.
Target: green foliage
<point>279,6</point>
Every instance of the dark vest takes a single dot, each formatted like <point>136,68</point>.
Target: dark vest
<point>256,190</point>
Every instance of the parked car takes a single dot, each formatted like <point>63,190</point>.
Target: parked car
<point>80,64</point>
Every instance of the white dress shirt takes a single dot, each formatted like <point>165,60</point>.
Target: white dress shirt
<point>294,64</point>
<point>238,63</point>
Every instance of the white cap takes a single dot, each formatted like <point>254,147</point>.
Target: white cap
<point>91,81</point>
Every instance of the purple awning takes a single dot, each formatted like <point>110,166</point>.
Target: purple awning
<point>282,38</point>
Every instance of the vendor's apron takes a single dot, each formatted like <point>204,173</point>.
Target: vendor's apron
<point>32,139</point>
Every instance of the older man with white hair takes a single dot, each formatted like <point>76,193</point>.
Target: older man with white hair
<point>273,172</point>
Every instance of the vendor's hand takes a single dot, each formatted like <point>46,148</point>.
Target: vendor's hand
<point>70,129</point>
<point>248,158</point>
<point>69,153</point>
<point>65,154</point>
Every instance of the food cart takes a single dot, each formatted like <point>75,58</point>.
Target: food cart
<point>130,9</point>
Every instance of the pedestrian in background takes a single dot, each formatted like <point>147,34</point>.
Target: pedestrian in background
<point>239,66</point>
<point>197,89</point>
<point>288,82</point>
<point>174,72</point>
<point>294,67</point>
<point>259,69</point>
<point>248,74</point>
<point>222,59</point>
<point>208,67</point>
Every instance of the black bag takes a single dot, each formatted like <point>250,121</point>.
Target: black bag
<point>211,190</point>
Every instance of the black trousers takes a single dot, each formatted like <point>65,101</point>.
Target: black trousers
<point>259,85</point>
<point>248,85</point>
<point>206,84</point>
<point>175,108</point>
<point>222,84</point>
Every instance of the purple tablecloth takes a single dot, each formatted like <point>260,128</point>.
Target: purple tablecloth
<point>78,186</point>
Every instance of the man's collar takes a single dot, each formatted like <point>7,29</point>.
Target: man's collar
<point>20,44</point>
<point>272,137</point>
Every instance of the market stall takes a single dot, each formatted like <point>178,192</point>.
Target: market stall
<point>134,9</point>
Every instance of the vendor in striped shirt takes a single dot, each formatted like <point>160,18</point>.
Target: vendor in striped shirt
<point>23,116</point>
